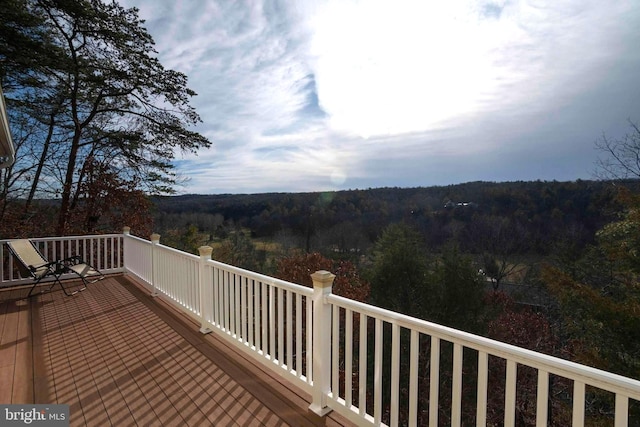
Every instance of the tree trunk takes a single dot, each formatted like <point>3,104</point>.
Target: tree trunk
<point>5,190</point>
<point>65,203</point>
<point>43,159</point>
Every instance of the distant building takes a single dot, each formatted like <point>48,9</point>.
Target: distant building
<point>451,204</point>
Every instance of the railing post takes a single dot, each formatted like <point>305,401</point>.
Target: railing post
<point>2,263</point>
<point>205,255</point>
<point>322,286</point>
<point>155,241</point>
<point>126,231</point>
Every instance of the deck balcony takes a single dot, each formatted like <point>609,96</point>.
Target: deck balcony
<point>170,338</point>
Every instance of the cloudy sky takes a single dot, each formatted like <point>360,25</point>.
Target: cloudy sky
<point>315,95</point>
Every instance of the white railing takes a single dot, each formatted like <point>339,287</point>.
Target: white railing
<point>104,252</point>
<point>373,366</point>
<point>138,256</point>
<point>424,344</point>
<point>264,316</point>
<point>267,318</point>
<point>413,372</point>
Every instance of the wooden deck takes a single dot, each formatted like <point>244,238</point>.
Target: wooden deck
<point>120,357</point>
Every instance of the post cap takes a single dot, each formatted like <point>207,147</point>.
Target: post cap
<point>126,230</point>
<point>323,278</point>
<point>205,251</point>
<point>155,237</point>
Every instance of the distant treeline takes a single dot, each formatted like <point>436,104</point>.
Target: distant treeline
<point>516,217</point>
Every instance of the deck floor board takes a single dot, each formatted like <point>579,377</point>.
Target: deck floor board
<point>118,356</point>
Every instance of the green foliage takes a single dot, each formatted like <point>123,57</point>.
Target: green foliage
<point>601,324</point>
<point>399,276</point>
<point>238,250</point>
<point>461,291</point>
<point>187,240</point>
<point>600,307</point>
<point>621,239</point>
<point>26,46</point>
<point>447,290</point>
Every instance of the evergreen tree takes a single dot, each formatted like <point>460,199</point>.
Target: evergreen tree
<point>399,275</point>
<point>462,292</point>
<point>99,94</point>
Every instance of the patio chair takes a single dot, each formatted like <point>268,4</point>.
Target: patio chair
<point>33,263</point>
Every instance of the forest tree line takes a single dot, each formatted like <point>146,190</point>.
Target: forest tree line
<point>520,218</point>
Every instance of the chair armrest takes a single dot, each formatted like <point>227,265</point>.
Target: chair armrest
<point>36,267</point>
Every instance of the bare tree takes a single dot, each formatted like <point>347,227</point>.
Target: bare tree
<point>502,241</point>
<point>621,157</point>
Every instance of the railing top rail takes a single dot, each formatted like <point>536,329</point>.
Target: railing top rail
<point>294,287</point>
<point>165,248</point>
<point>140,239</point>
<point>592,376</point>
<point>177,252</point>
<point>57,239</point>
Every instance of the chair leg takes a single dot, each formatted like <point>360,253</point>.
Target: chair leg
<point>29,295</point>
<point>65,289</point>
<point>59,282</point>
<point>84,286</point>
<point>67,293</point>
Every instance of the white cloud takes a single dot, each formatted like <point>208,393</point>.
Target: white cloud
<point>385,68</point>
<point>404,66</point>
<point>287,90</point>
